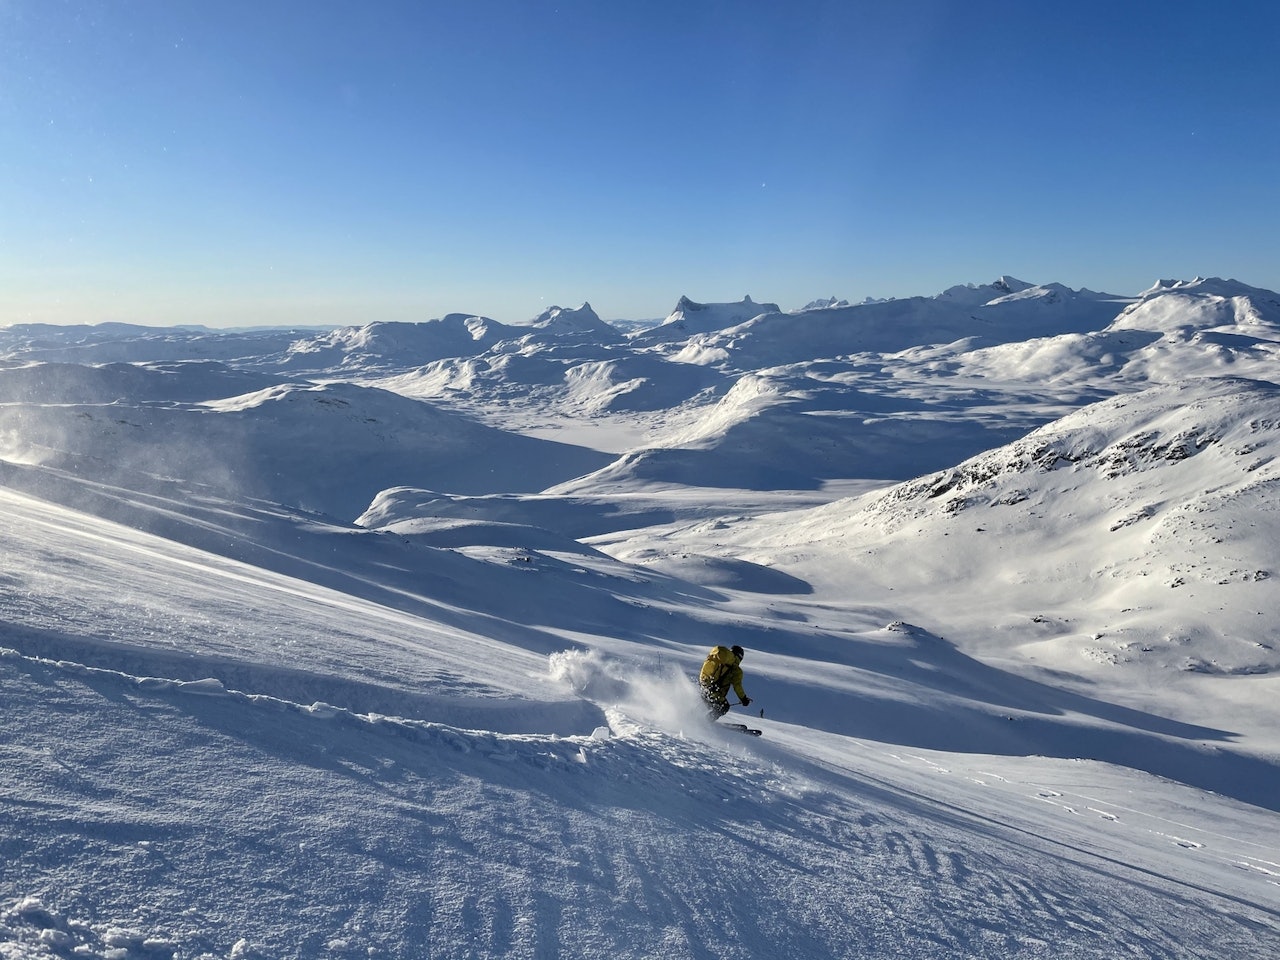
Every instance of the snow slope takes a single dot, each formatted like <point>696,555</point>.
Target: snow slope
<point>323,652</point>
<point>182,785</point>
<point>1136,537</point>
<point>326,448</point>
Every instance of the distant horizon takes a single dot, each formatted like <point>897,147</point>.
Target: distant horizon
<point>605,316</point>
<point>235,165</point>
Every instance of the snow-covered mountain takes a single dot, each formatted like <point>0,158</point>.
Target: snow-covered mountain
<point>1171,332</point>
<point>1003,312</point>
<point>379,345</point>
<point>378,641</point>
<point>583,322</point>
<point>689,318</point>
<point>1135,536</point>
<point>324,448</point>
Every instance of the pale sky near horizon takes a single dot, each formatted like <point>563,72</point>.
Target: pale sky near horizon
<point>334,161</point>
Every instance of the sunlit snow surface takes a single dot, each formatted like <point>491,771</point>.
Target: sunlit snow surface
<point>379,642</point>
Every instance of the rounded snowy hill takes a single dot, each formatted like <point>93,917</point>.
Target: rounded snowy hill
<point>1172,331</point>
<point>405,346</point>
<point>1178,305</point>
<point>567,379</point>
<point>326,448</point>
<point>378,345</point>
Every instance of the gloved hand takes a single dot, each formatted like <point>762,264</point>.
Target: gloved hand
<point>746,701</point>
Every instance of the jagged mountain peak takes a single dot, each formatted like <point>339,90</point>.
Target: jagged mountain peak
<point>824,303</point>
<point>691,317</point>
<point>559,313</point>
<point>566,320</point>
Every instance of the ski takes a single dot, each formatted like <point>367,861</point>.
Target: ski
<point>743,728</point>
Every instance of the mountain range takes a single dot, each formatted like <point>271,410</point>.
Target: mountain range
<point>379,639</point>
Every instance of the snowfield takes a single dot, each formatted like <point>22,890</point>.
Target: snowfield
<point>379,641</point>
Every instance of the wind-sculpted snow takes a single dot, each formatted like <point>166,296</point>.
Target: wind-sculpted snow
<point>328,449</point>
<point>797,427</point>
<point>575,517</point>
<point>187,381</point>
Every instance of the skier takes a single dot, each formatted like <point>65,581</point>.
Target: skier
<point>720,672</point>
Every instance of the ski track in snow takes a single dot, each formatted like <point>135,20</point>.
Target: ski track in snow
<point>526,837</point>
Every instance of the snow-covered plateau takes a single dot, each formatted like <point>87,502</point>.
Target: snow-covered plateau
<point>380,641</point>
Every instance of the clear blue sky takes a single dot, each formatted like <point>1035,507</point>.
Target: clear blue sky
<point>229,162</point>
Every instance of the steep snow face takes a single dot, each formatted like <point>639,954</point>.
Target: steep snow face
<point>749,396</point>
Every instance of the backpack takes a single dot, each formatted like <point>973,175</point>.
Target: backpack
<point>719,662</point>
<point>723,655</point>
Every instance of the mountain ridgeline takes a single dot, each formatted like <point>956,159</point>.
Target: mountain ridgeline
<point>739,395</point>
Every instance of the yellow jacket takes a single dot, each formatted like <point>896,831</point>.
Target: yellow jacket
<point>721,671</point>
